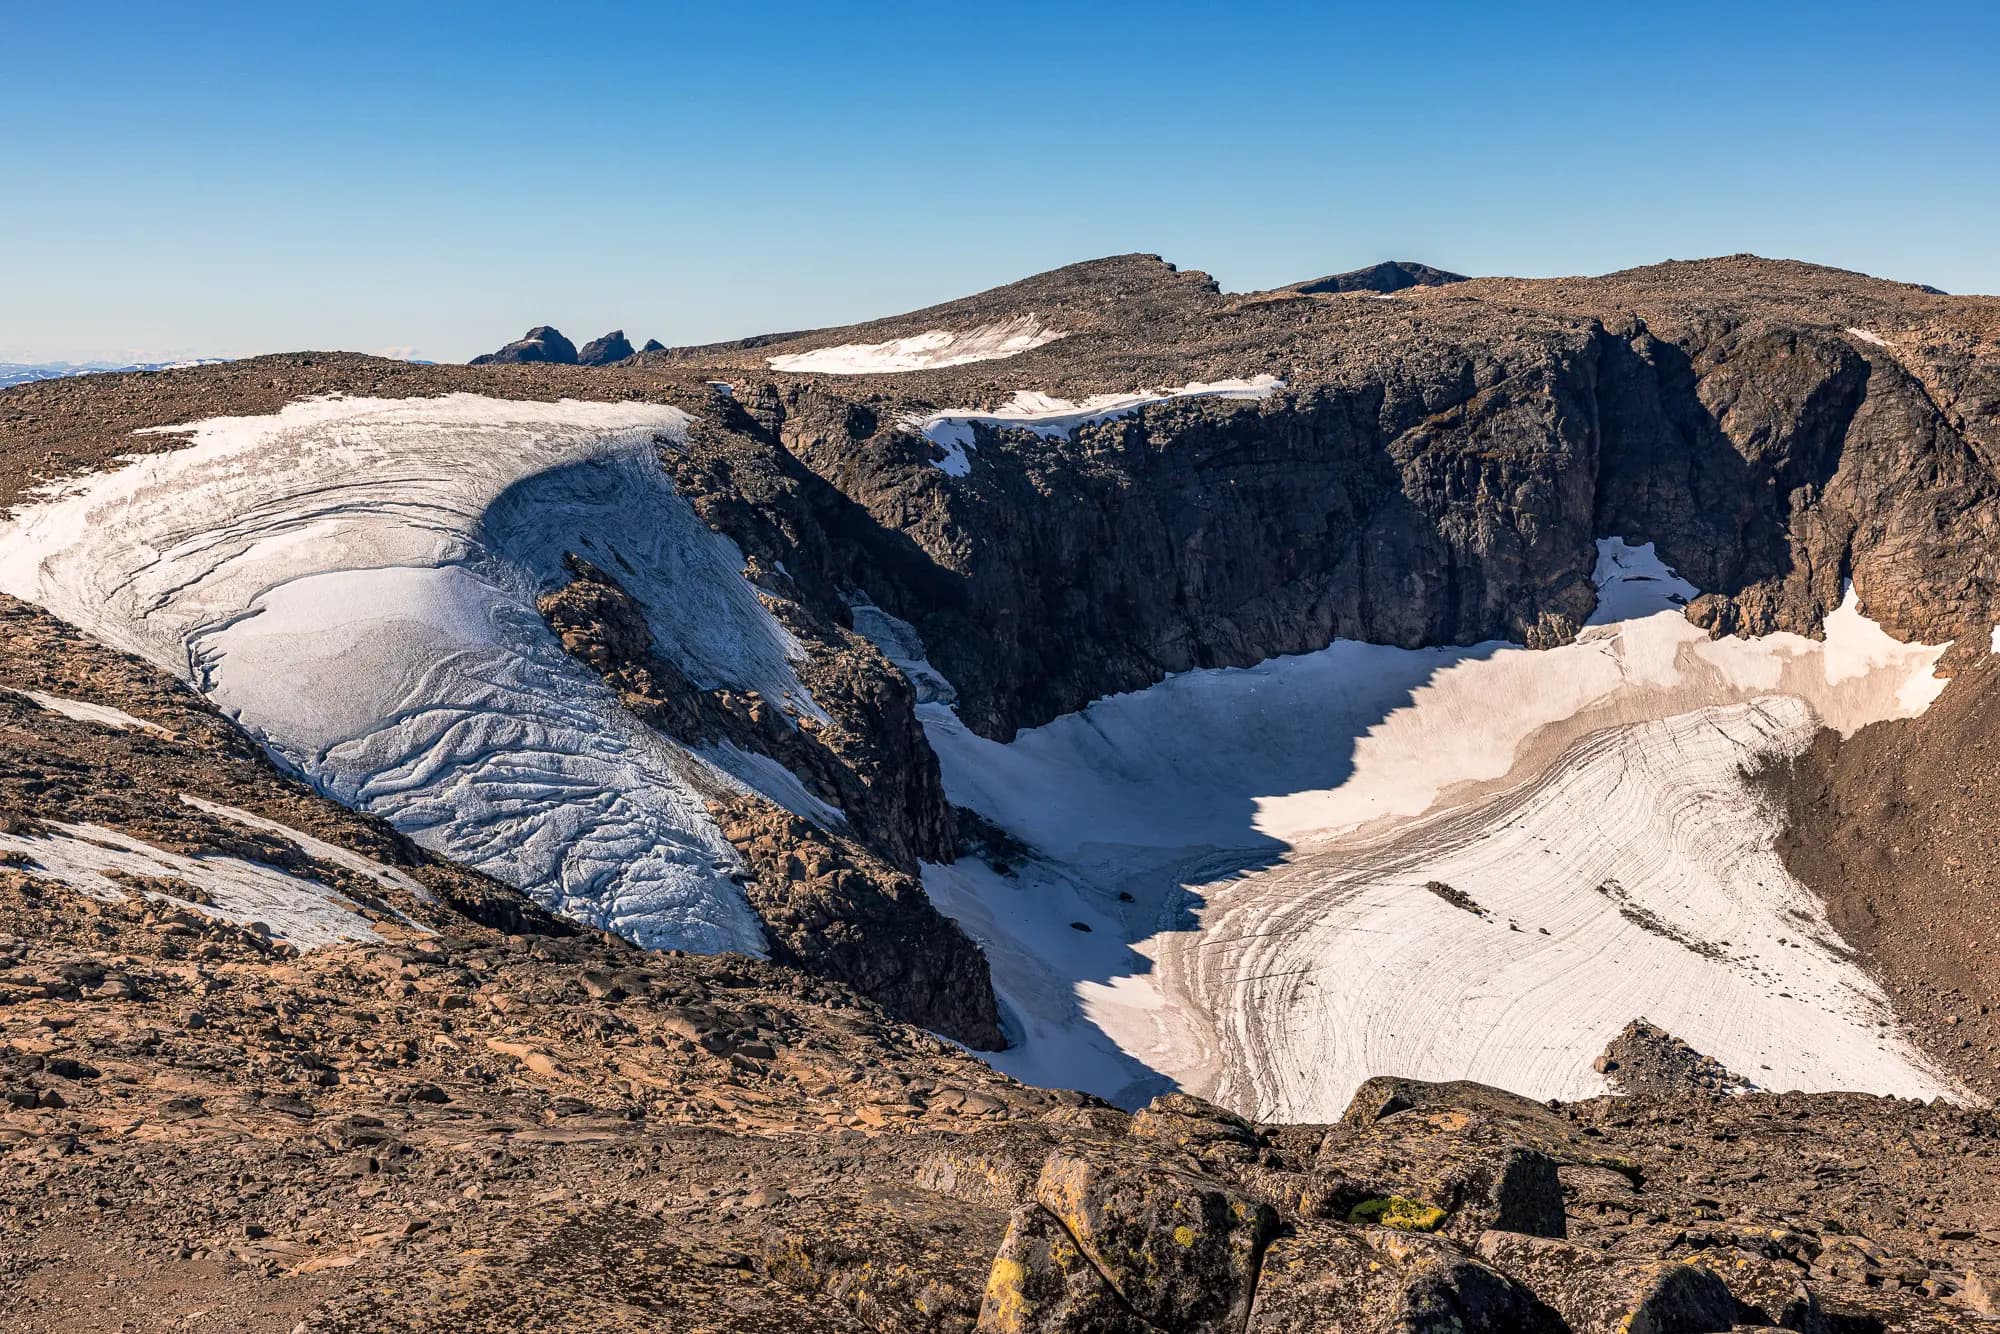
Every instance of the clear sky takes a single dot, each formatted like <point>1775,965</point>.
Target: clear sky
<point>209,178</point>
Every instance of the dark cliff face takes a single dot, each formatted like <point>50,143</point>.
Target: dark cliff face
<point>1448,492</point>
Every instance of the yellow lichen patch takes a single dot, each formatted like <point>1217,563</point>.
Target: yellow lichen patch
<point>1006,1304</point>
<point>1184,1236</point>
<point>1398,1212</point>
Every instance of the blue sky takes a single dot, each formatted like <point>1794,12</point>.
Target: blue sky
<point>225,179</point>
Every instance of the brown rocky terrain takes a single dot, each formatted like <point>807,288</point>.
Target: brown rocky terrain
<point>1897,828</point>
<point>478,1116</point>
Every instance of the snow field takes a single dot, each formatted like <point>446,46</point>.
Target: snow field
<point>1251,850</point>
<point>1049,417</point>
<point>87,857</point>
<point>924,351</point>
<point>354,580</point>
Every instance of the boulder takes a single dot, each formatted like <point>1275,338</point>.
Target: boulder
<point>1597,1294</point>
<point>1481,1170</point>
<point>1042,1283</point>
<point>1201,1128</point>
<point>1182,1250</point>
<point>1326,1276</point>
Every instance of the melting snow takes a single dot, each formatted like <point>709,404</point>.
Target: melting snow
<point>333,853</point>
<point>924,351</point>
<point>1274,828</point>
<point>355,580</point>
<point>90,858</point>
<point>84,712</point>
<point>1050,418</point>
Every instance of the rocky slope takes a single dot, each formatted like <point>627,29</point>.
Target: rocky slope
<point>1897,827</point>
<point>267,1064</point>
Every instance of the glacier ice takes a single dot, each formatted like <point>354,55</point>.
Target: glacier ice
<point>354,580</point>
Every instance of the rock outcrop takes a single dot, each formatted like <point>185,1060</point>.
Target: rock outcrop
<point>540,344</point>
<point>1391,275</point>
<point>612,347</point>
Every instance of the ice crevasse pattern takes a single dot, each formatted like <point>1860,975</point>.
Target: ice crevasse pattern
<point>354,580</point>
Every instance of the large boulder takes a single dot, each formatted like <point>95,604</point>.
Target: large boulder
<point>1182,1250</point>
<point>1042,1283</point>
<point>1326,1276</point>
<point>1200,1127</point>
<point>540,344</point>
<point>1480,1159</point>
<point>1597,1294</point>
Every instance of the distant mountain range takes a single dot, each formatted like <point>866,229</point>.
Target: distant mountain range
<point>21,372</point>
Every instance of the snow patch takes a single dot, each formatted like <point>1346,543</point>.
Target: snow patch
<point>89,858</point>
<point>1052,418</point>
<point>904,648</point>
<point>1226,830</point>
<point>331,853</point>
<point>1868,336</point>
<point>84,712</point>
<point>924,351</point>
<point>354,580</point>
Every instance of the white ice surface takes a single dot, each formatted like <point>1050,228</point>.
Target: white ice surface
<point>924,351</point>
<point>298,911</point>
<point>386,876</point>
<point>954,431</point>
<point>1274,827</point>
<point>355,581</point>
<point>85,712</point>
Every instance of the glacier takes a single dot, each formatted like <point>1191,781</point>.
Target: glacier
<point>1256,854</point>
<point>354,581</point>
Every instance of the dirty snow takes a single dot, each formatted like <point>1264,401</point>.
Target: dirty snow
<point>354,580</point>
<point>1275,827</point>
<point>85,712</point>
<point>90,858</point>
<point>332,853</point>
<point>924,351</point>
<point>1051,418</point>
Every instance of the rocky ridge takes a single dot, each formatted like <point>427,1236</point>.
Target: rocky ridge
<point>481,1116</point>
